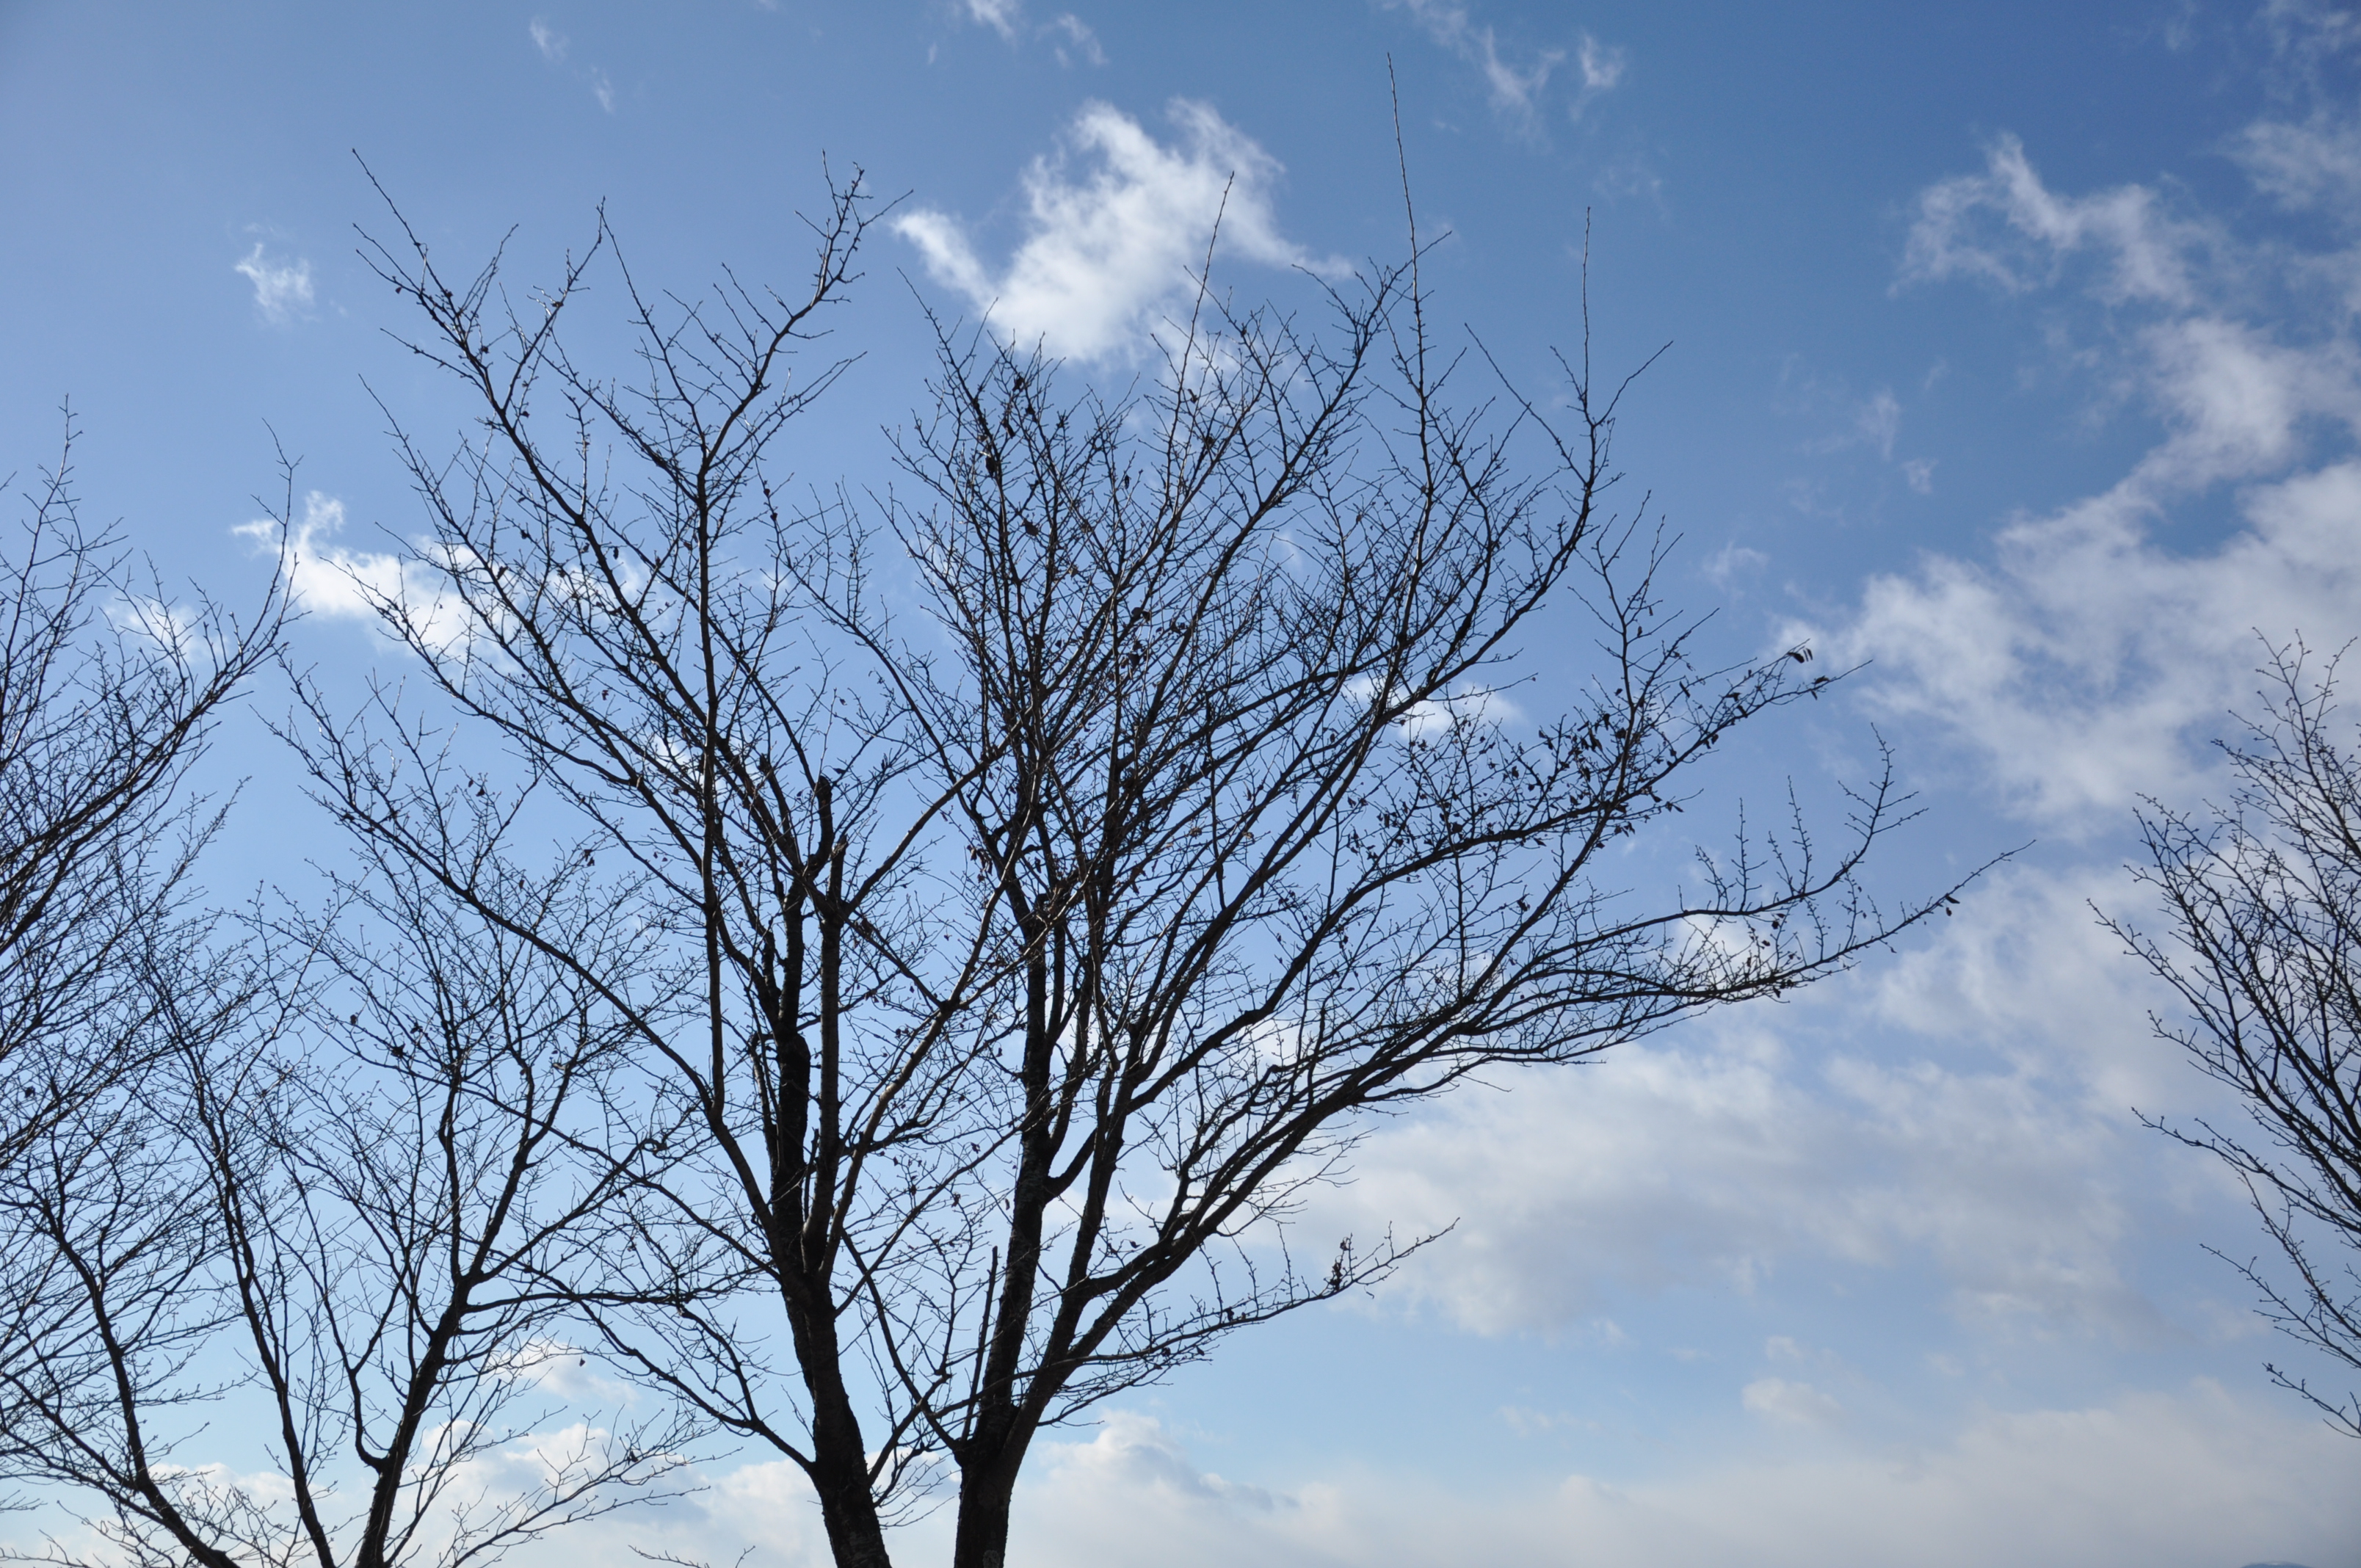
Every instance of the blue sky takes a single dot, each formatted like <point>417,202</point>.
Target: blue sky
<point>2013,352</point>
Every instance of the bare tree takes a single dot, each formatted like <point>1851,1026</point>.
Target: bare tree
<point>2262,900</point>
<point>1031,949</point>
<point>336,1216</point>
<point>108,693</point>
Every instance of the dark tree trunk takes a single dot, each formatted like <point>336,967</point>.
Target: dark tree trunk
<point>840,1467</point>
<point>855,1537</point>
<point>986,1490</point>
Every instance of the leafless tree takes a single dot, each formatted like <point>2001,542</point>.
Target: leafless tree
<point>334,1219</point>
<point>108,693</point>
<point>1061,856</point>
<point>2262,902</point>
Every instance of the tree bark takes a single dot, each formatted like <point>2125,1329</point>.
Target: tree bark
<point>986,1491</point>
<point>856,1537</point>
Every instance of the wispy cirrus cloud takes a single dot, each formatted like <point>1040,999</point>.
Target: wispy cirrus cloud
<point>1116,224</point>
<point>554,47</point>
<point>1516,80</point>
<point>283,290</point>
<point>2006,227</point>
<point>1845,420</point>
<point>1002,16</point>
<point>1079,38</point>
<point>1071,39</point>
<point>1601,65</point>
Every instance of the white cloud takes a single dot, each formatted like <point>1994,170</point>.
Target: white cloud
<point>1878,420</point>
<point>1475,705</point>
<point>2078,667</point>
<point>1071,39</point>
<point>1961,1115</point>
<point>1723,1164</point>
<point>554,46</point>
<point>2006,226</point>
<point>1790,1403</point>
<point>1516,85</point>
<point>2025,971</point>
<point>1732,562</point>
<point>2190,1478</point>
<point>282,291</point>
<point>2315,164</point>
<point>1110,247</point>
<point>1078,36</point>
<point>1602,67</point>
<point>176,629</point>
<point>2308,34</point>
<point>1000,16</point>
<point>323,577</point>
<point>1471,705</point>
<point>328,579</point>
<point>1847,422</point>
<point>2082,661</point>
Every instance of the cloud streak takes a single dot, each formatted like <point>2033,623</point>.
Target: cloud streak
<point>1001,15</point>
<point>1072,39</point>
<point>554,45</point>
<point>1516,85</point>
<point>2007,227</point>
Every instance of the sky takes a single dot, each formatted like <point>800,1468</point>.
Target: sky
<point>2012,357</point>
